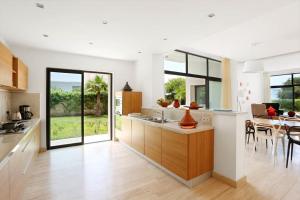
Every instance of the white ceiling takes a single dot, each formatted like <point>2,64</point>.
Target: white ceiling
<point>140,25</point>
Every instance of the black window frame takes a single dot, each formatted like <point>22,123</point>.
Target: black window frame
<point>292,85</point>
<point>187,74</point>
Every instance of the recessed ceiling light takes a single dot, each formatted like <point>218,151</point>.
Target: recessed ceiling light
<point>139,51</point>
<point>45,35</point>
<point>104,22</point>
<point>91,43</point>
<point>210,15</point>
<point>40,5</point>
<point>254,44</point>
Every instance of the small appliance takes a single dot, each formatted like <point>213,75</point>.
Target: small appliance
<point>25,111</point>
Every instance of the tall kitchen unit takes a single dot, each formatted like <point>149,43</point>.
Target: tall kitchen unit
<point>126,103</point>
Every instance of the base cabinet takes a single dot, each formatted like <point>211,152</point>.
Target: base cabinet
<point>138,136</point>
<point>153,143</point>
<point>175,153</point>
<point>4,180</point>
<point>125,134</point>
<point>186,155</point>
<point>18,164</point>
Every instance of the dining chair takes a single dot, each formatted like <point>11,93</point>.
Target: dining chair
<point>260,111</point>
<point>277,134</point>
<point>293,133</point>
<point>249,130</point>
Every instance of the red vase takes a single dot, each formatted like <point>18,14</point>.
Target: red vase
<point>176,103</point>
<point>187,121</point>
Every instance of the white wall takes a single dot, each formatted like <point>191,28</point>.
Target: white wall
<point>38,60</point>
<point>150,78</point>
<point>252,82</point>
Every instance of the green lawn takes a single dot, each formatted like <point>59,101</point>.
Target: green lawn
<point>69,127</point>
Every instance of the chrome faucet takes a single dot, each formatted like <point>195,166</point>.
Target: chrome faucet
<point>162,114</point>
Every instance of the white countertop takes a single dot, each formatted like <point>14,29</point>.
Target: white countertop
<point>174,126</point>
<point>9,142</point>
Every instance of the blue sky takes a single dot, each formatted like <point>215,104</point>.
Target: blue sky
<point>65,77</point>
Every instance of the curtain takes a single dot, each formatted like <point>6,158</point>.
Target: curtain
<point>226,84</point>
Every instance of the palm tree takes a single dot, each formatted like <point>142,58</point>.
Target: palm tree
<point>97,86</point>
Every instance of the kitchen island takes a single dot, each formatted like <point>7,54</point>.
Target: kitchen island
<point>186,154</point>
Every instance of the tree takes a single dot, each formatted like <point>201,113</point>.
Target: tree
<point>97,86</point>
<point>175,89</point>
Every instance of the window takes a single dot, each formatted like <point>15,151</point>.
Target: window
<point>175,62</point>
<point>175,88</point>
<point>285,90</point>
<point>214,68</point>
<point>190,77</point>
<point>197,65</point>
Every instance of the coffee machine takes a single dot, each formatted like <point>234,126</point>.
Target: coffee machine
<point>25,111</point>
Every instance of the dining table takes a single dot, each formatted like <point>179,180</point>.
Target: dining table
<point>276,122</point>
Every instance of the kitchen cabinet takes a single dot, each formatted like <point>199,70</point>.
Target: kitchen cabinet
<point>128,102</point>
<point>138,136</point>
<point>20,161</point>
<point>125,134</point>
<point>153,143</point>
<point>6,59</point>
<point>175,152</point>
<point>4,180</point>
<point>188,155</point>
<point>20,74</point>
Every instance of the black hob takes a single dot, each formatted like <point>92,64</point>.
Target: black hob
<point>19,128</point>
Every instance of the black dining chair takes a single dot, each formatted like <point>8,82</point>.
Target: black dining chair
<point>292,132</point>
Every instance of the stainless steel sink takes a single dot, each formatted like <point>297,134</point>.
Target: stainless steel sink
<point>151,119</point>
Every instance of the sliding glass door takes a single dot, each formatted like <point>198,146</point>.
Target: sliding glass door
<point>65,108</point>
<point>97,102</point>
<point>78,107</point>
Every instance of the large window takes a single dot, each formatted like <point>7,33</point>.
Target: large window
<point>190,77</point>
<point>285,90</point>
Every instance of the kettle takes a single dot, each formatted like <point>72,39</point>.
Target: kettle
<point>16,116</point>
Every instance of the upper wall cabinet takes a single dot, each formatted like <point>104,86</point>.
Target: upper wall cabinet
<point>6,59</point>
<point>20,74</point>
<point>13,72</point>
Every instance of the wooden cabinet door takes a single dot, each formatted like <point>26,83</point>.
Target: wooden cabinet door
<point>136,102</point>
<point>4,180</point>
<point>126,103</point>
<point>175,152</point>
<point>6,59</point>
<point>125,134</point>
<point>17,177</point>
<point>22,76</point>
<point>138,136</point>
<point>153,143</point>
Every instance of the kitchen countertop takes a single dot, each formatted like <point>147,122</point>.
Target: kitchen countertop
<point>9,142</point>
<point>173,126</point>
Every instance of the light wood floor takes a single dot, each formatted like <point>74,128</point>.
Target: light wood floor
<point>109,170</point>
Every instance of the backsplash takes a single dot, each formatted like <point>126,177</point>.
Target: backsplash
<point>31,99</point>
<point>202,116</point>
<point>5,104</point>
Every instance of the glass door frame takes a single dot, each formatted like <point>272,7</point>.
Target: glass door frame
<point>48,123</point>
